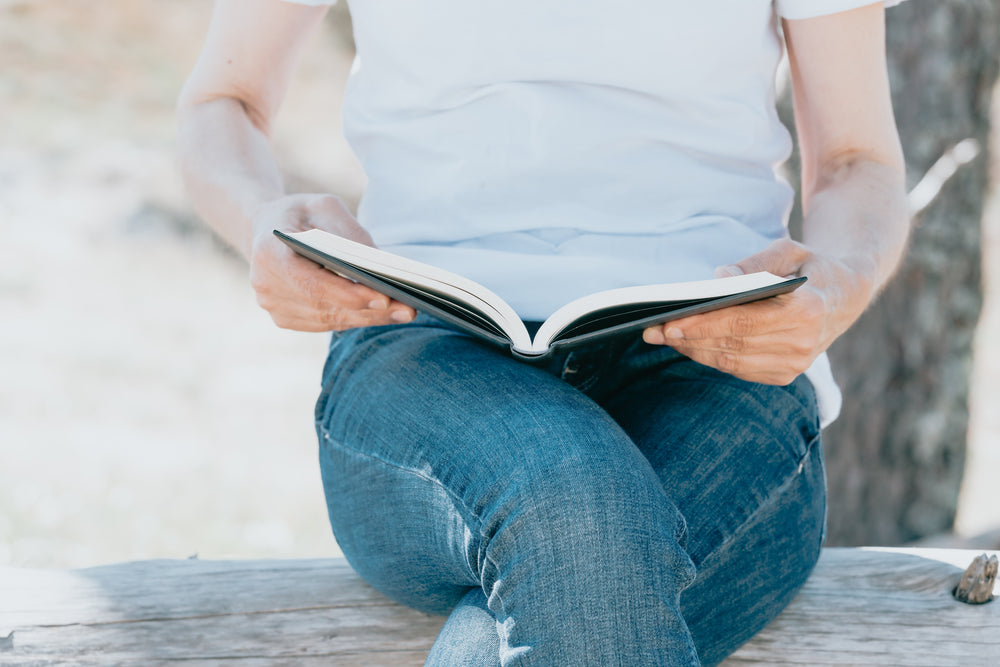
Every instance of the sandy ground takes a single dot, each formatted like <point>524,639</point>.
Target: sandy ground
<point>148,408</point>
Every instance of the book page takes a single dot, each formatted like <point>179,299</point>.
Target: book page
<point>578,313</point>
<point>451,286</point>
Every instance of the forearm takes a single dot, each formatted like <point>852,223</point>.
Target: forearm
<point>228,166</point>
<point>232,177</point>
<point>858,216</point>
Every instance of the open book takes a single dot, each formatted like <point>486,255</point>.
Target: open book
<point>475,309</point>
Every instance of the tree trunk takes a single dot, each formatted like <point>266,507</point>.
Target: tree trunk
<point>896,455</point>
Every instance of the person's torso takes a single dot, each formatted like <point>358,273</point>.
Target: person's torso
<point>550,149</point>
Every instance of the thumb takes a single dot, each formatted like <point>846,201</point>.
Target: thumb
<point>329,213</point>
<point>783,257</point>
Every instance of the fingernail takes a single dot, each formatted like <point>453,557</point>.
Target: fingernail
<point>378,304</point>
<point>730,270</point>
<point>402,315</point>
<point>675,333</point>
<point>654,336</point>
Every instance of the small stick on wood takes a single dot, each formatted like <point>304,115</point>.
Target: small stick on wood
<point>976,586</point>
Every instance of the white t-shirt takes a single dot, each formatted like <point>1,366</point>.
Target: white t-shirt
<point>550,149</point>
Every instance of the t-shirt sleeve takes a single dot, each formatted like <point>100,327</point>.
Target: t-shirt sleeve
<point>806,9</point>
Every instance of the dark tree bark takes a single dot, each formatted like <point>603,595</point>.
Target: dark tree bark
<point>896,455</point>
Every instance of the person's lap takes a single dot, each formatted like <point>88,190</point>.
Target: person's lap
<point>451,468</point>
<point>743,462</point>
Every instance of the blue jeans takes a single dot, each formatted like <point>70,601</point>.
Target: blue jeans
<point>620,505</point>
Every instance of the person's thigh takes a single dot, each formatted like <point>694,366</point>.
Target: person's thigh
<point>743,462</point>
<point>448,465</point>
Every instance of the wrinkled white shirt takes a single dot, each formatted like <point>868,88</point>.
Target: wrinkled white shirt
<point>553,149</point>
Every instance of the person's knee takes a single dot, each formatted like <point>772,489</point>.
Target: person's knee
<point>771,556</point>
<point>584,546</point>
<point>596,509</point>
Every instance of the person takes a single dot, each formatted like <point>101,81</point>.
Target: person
<point>648,501</point>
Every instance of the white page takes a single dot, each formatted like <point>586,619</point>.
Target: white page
<point>700,289</point>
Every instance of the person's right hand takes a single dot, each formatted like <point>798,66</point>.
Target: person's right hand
<point>300,294</point>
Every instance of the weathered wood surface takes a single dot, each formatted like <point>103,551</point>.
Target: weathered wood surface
<point>861,607</point>
<point>881,607</point>
<point>261,612</point>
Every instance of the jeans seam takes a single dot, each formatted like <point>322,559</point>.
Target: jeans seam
<point>770,500</point>
<point>813,434</point>
<point>456,501</point>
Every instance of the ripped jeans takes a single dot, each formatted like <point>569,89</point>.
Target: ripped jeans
<point>620,505</point>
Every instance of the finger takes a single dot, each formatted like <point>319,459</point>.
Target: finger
<point>792,342</point>
<point>369,317</point>
<point>742,321</point>
<point>314,294</point>
<point>803,309</point>
<point>355,296</point>
<point>326,290</point>
<point>783,257</point>
<point>329,286</point>
<point>776,369</point>
<point>315,321</point>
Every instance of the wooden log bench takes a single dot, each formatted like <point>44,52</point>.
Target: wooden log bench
<point>861,607</point>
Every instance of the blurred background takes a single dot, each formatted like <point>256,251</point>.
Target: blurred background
<point>149,408</point>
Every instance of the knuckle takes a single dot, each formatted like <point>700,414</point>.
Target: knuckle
<point>328,205</point>
<point>280,320</point>
<point>813,304</point>
<point>258,279</point>
<point>728,363</point>
<point>332,318</point>
<point>815,344</point>
<point>265,298</point>
<point>795,367</point>
<point>341,319</point>
<point>734,344</point>
<point>742,324</point>
<point>319,304</point>
<point>262,290</point>
<point>293,214</point>
<point>802,364</point>
<point>800,352</point>
<point>787,378</point>
<point>312,291</point>
<point>792,247</point>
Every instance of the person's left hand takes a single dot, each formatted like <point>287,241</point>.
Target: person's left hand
<point>776,339</point>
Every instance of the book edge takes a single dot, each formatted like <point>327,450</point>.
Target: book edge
<point>377,261</point>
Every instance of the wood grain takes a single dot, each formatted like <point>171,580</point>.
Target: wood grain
<point>861,607</point>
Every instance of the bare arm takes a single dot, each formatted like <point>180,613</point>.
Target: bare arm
<point>853,174</point>
<point>225,113</point>
<point>855,225</point>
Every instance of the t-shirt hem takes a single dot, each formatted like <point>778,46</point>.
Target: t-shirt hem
<point>806,9</point>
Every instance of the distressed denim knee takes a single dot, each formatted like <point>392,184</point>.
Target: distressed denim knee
<point>583,562</point>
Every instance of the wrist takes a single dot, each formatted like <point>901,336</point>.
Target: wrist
<point>287,212</point>
<point>849,285</point>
